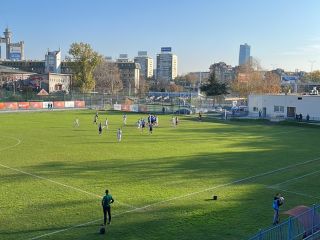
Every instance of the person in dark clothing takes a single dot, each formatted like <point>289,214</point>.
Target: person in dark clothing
<point>150,128</point>
<point>277,202</point>
<point>100,128</point>
<point>106,202</point>
<point>308,118</point>
<point>300,117</point>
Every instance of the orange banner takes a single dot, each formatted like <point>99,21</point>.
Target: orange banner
<point>11,105</point>
<point>23,105</point>
<point>2,106</point>
<point>58,104</point>
<point>79,104</point>
<point>125,107</point>
<point>36,105</point>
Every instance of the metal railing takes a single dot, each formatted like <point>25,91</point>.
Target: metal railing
<point>303,226</point>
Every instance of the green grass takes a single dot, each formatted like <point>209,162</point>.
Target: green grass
<point>170,170</point>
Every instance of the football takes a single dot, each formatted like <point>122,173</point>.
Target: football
<point>102,230</point>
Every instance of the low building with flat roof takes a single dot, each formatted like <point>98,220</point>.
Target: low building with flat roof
<point>284,106</point>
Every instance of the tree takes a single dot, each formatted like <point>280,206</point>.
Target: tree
<point>252,79</point>
<point>86,61</point>
<point>192,79</point>
<point>214,87</point>
<point>143,86</point>
<point>174,88</point>
<point>107,77</point>
<point>312,77</point>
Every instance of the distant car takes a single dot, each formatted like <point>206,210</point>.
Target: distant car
<point>240,109</point>
<point>218,109</point>
<point>183,111</point>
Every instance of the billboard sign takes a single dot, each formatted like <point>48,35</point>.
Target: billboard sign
<point>11,105</point>
<point>15,56</point>
<point>23,105</point>
<point>166,49</point>
<point>15,53</point>
<point>58,104</point>
<point>36,105</point>
<point>79,104</point>
<point>69,104</point>
<point>117,107</point>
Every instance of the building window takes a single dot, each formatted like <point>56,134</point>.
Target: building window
<point>279,109</point>
<point>255,109</point>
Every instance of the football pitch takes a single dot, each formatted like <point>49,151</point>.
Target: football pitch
<point>53,176</point>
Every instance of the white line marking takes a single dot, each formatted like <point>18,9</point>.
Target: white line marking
<point>187,195</point>
<point>52,181</point>
<point>61,184</point>
<point>296,178</point>
<point>146,206</point>
<point>293,192</point>
<point>18,142</point>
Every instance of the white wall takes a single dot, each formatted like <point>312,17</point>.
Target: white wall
<point>303,104</point>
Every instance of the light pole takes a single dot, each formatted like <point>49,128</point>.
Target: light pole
<point>311,69</point>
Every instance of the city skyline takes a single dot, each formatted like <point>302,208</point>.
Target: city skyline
<point>281,33</point>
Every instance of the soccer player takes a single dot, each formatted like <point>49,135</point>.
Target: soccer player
<point>106,206</point>
<point>124,119</point>
<point>143,124</point>
<point>76,123</point>
<point>173,121</point>
<point>119,135</point>
<point>157,120</point>
<point>150,128</point>
<point>100,128</point>
<point>106,123</point>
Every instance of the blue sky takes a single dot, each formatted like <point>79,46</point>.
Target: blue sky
<point>282,33</point>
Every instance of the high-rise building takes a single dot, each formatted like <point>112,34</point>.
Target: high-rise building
<point>146,64</point>
<point>53,62</point>
<point>244,54</point>
<point>167,65</point>
<point>130,76</point>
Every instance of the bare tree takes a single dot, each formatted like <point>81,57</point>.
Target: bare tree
<point>143,86</point>
<point>107,77</point>
<point>192,79</point>
<point>252,79</point>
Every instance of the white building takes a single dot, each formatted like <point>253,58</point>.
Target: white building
<point>146,64</point>
<point>53,82</point>
<point>284,106</point>
<point>53,62</point>
<point>167,65</point>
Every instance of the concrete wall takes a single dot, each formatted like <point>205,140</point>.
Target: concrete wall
<point>303,104</point>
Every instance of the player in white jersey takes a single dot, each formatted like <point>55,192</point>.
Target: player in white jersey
<point>76,123</point>
<point>106,124</point>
